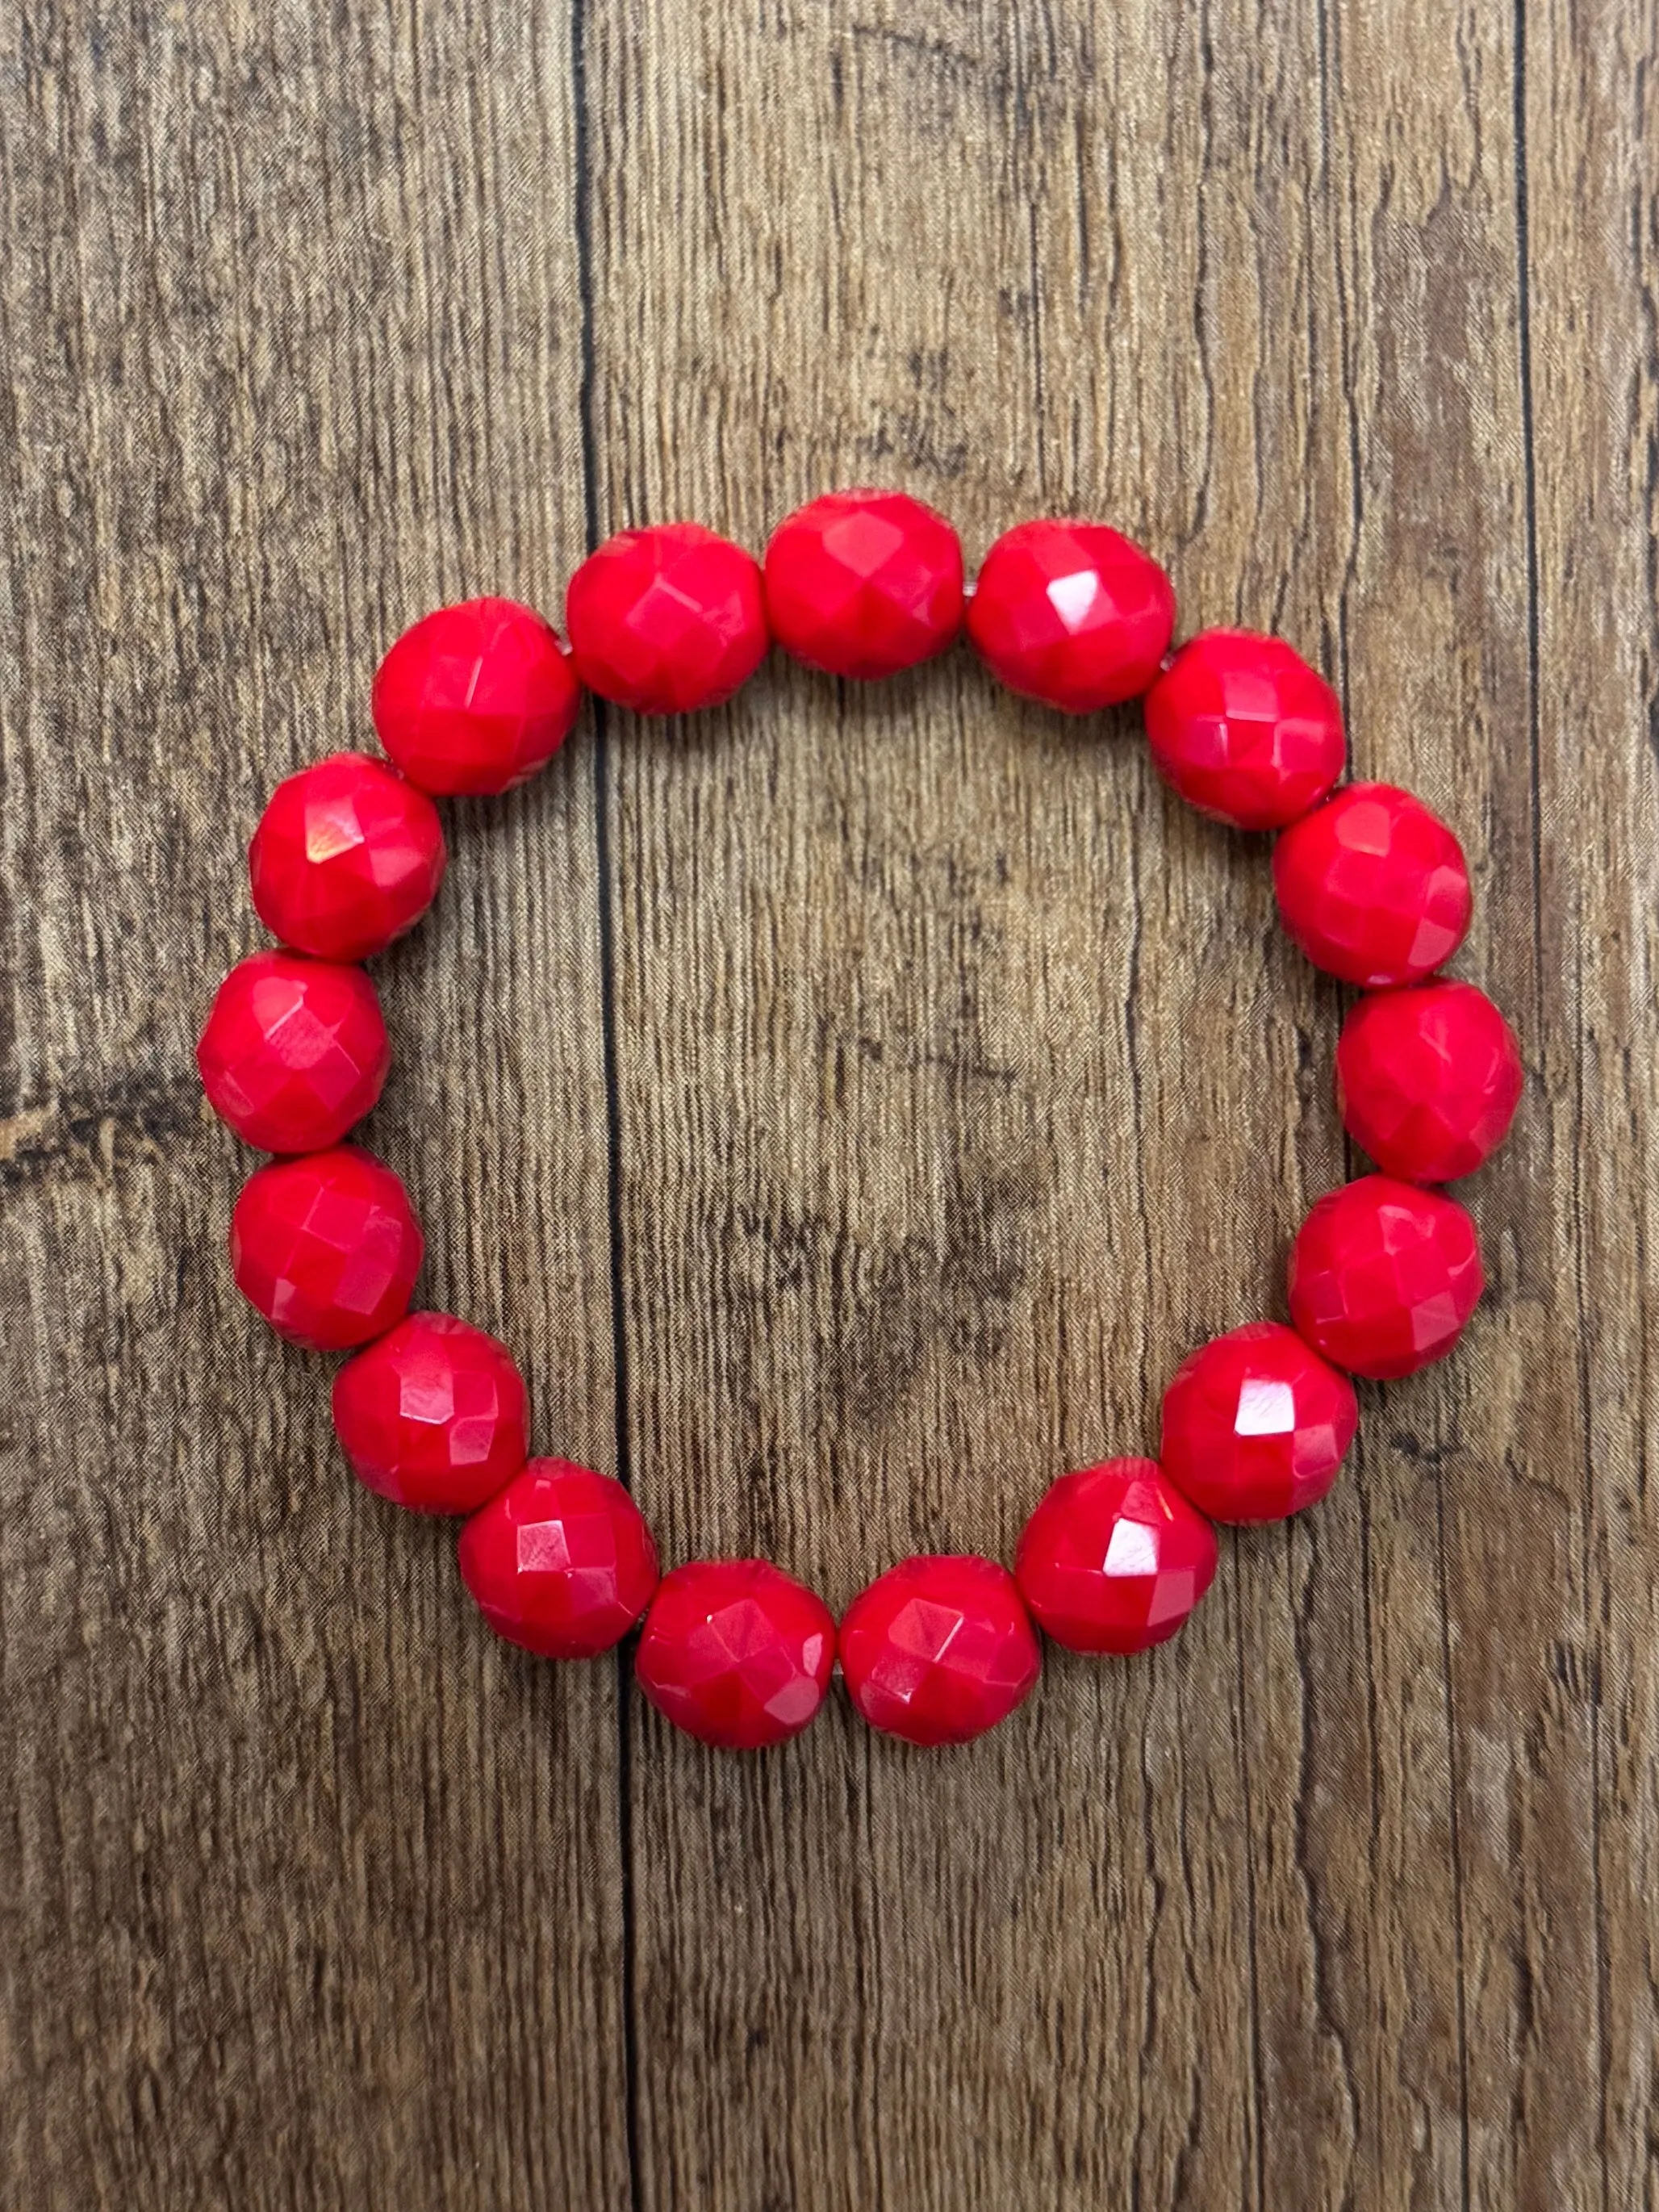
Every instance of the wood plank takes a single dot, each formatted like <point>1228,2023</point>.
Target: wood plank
<point>1586,100</point>
<point>1435,625</point>
<point>920,1170</point>
<point>313,1895</point>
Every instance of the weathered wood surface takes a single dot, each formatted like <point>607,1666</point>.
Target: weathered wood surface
<point>853,1106</point>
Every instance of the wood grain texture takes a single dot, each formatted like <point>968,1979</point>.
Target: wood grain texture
<point>852,1106</point>
<point>309,1898</point>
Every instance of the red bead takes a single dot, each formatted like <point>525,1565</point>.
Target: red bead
<point>347,856</point>
<point>937,1650</point>
<point>1256,1425</point>
<point>1383,1277</point>
<point>666,620</point>
<point>1071,613</point>
<point>1114,1559</point>
<point>294,1051</point>
<point>1372,886</point>
<point>1428,1080</point>
<point>326,1248</point>
<point>475,698</point>
<point>435,1416</point>
<point>735,1652</point>
<point>560,1561</point>
<point>864,583</point>
<point>1244,730</point>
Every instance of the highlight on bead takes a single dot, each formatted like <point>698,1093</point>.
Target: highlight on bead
<point>346,857</point>
<point>294,1052</point>
<point>326,1248</point>
<point>864,583</point>
<point>1256,1425</point>
<point>560,1561</point>
<point>1072,614</point>
<point>1383,1277</point>
<point>1428,1079</point>
<point>475,698</point>
<point>666,620</point>
<point>1244,730</point>
<point>1373,887</point>
<point>1114,1559</point>
<point>736,1653</point>
<point>432,1412</point>
<point>435,1416</point>
<point>938,1651</point>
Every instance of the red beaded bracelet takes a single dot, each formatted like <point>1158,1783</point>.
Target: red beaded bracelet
<point>433,1413</point>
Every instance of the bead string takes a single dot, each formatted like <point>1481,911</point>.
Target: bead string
<point>433,1412</point>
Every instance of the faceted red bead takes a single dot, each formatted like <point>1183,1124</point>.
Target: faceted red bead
<point>560,1561</point>
<point>1071,613</point>
<point>1383,1277</point>
<point>864,583</point>
<point>294,1051</point>
<point>1428,1080</point>
<point>326,1248</point>
<point>1372,886</point>
<point>735,1652</point>
<point>475,698</point>
<point>1244,730</point>
<point>435,1416</point>
<point>939,1650</point>
<point>666,620</point>
<point>347,856</point>
<point>1114,1559</point>
<point>1256,1425</point>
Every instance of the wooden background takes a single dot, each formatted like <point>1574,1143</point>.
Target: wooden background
<point>852,1106</point>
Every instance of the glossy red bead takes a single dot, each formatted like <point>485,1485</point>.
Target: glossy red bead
<point>475,698</point>
<point>1071,613</point>
<point>560,1561</point>
<point>864,583</point>
<point>735,1652</point>
<point>1383,1277</point>
<point>1113,1559</point>
<point>1428,1079</point>
<point>1244,730</point>
<point>666,620</point>
<point>435,1416</point>
<point>326,1248</point>
<point>348,856</point>
<point>1372,886</point>
<point>939,1650</point>
<point>1256,1425</point>
<point>294,1051</point>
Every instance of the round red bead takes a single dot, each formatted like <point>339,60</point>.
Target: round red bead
<point>294,1051</point>
<point>1244,730</point>
<point>1114,1559</point>
<point>475,698</point>
<point>864,583</point>
<point>1071,613</point>
<point>735,1652</point>
<point>1372,886</point>
<point>560,1561</point>
<point>939,1650</point>
<point>326,1248</point>
<point>435,1416</point>
<point>347,856</point>
<point>1383,1277</point>
<point>666,620</point>
<point>1428,1080</point>
<point>1256,1425</point>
